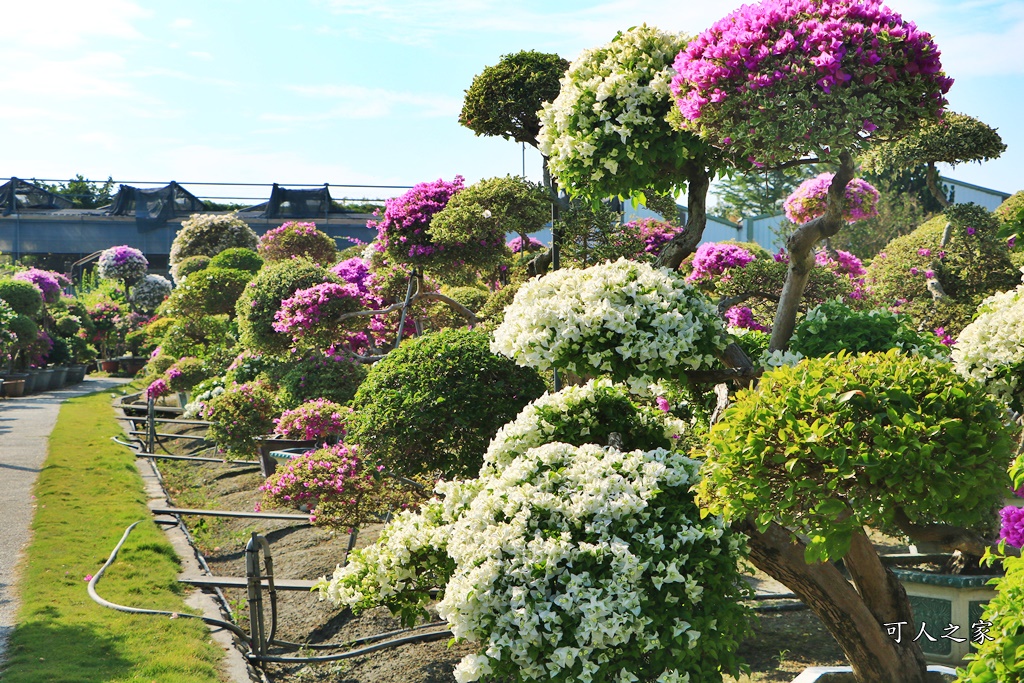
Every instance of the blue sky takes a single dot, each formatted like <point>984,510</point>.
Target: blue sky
<point>361,91</point>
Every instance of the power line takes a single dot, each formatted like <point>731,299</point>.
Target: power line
<point>161,182</point>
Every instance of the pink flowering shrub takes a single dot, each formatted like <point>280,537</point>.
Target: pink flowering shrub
<point>517,246</point>
<point>312,316</point>
<point>808,200</point>
<point>743,318</point>
<point>317,420</point>
<point>653,233</point>
<point>715,258</point>
<point>48,282</point>
<point>296,239</point>
<point>239,415</point>
<point>1012,528</point>
<point>334,483</point>
<point>157,388</point>
<point>403,229</point>
<point>122,263</point>
<point>845,70</point>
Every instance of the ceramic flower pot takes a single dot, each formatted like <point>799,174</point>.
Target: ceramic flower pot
<point>267,444</point>
<point>109,365</point>
<point>60,377</point>
<point>844,674</point>
<point>31,381</point>
<point>13,388</point>
<point>939,601</point>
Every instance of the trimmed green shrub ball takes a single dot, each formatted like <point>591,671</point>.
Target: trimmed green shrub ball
<point>334,378</point>
<point>238,258</point>
<point>433,404</point>
<point>24,297</point>
<point>193,264</point>
<point>25,329</point>
<point>838,443</point>
<point>262,298</point>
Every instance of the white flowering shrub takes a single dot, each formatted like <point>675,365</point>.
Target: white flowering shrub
<point>991,349</point>
<point>626,320</point>
<point>606,133</point>
<point>573,563</point>
<point>150,292</point>
<point>579,415</point>
<point>585,563</point>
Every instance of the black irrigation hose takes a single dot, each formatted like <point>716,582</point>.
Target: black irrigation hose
<point>140,610</point>
<point>357,641</point>
<point>422,638</point>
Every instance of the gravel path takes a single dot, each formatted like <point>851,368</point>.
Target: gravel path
<point>25,426</point>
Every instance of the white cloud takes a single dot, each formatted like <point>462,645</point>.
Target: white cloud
<point>67,24</point>
<point>182,23</point>
<point>205,56</point>
<point>358,102</point>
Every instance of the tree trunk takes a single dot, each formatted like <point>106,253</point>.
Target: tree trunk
<point>698,180</point>
<point>801,254</point>
<point>933,184</point>
<point>874,655</point>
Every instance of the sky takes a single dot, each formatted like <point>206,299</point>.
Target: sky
<point>362,92</point>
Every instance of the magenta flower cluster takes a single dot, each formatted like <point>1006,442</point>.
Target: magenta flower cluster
<point>309,308</point>
<point>157,388</point>
<point>653,233</point>
<point>122,263</point>
<point>860,200</point>
<point>714,258</point>
<point>844,263</point>
<point>46,281</point>
<point>332,476</point>
<point>403,228</point>
<point>818,52</point>
<point>517,246</point>
<point>315,420</point>
<point>743,317</point>
<point>1012,530</point>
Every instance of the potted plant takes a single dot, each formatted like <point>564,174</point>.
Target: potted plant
<point>241,415</point>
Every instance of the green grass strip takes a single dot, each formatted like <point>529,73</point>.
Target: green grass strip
<point>87,494</point>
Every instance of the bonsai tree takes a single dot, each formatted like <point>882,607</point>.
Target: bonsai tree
<point>816,452</point>
<point>208,235</point>
<point>606,133</point>
<point>939,273</point>
<point>294,239</point>
<point>847,75</point>
<point>124,264</point>
<point>473,224</point>
<point>954,139</point>
<point>504,99</point>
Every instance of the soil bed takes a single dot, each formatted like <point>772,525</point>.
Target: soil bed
<point>783,644</point>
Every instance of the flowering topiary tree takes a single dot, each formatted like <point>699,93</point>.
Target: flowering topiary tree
<point>48,282</point>
<point>606,133</point>
<point>847,75</point>
<point>24,297</point>
<point>239,415</point>
<point>316,420</point>
<point>125,264</point>
<point>809,200</point>
<point>403,230</point>
<point>626,320</point>
<point>585,543</point>
<point>208,235</point>
<point>150,292</point>
<point>295,239</point>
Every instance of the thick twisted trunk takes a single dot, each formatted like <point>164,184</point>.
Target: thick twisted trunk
<point>698,180</point>
<point>848,615</point>
<point>933,185</point>
<point>801,253</point>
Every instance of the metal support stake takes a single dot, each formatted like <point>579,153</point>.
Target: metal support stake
<point>405,307</point>
<point>150,425</point>
<point>258,640</point>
